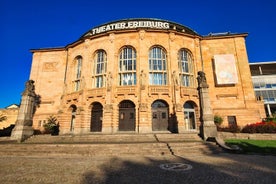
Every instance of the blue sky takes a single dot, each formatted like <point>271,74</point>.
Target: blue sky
<point>36,24</point>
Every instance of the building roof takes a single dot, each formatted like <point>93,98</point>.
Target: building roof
<point>140,24</point>
<point>12,106</point>
<point>263,63</point>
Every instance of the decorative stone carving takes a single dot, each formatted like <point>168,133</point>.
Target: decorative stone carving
<point>143,107</point>
<point>143,80</point>
<point>83,83</point>
<point>29,89</point>
<point>172,36</point>
<point>49,66</point>
<point>108,108</point>
<point>202,82</point>
<point>109,80</point>
<point>175,78</point>
<point>178,107</point>
<point>111,37</point>
<point>142,34</point>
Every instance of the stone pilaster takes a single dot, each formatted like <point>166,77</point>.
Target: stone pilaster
<point>108,125</point>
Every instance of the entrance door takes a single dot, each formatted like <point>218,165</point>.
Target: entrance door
<point>159,116</point>
<point>126,116</point>
<point>189,115</point>
<point>96,117</point>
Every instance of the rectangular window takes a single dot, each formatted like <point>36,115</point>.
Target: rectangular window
<point>231,121</point>
<point>268,86</point>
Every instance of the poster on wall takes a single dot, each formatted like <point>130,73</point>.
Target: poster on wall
<point>225,69</point>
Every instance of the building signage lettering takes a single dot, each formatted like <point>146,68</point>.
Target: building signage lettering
<point>131,25</point>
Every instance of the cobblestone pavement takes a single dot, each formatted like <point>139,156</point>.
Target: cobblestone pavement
<point>217,168</point>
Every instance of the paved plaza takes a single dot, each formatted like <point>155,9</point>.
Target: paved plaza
<point>197,168</point>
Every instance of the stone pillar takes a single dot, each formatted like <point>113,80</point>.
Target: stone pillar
<point>23,125</point>
<point>208,128</point>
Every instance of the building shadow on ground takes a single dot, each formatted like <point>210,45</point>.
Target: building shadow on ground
<point>227,168</point>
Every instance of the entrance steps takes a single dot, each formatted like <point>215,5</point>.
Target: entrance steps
<point>110,145</point>
<point>115,138</point>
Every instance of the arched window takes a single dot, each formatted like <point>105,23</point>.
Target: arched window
<point>127,67</point>
<point>185,64</point>
<point>77,79</point>
<point>157,66</point>
<point>99,68</point>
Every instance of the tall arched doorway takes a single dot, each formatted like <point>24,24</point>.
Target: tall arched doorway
<point>126,116</point>
<point>189,116</point>
<point>96,117</point>
<point>160,111</point>
<point>73,110</point>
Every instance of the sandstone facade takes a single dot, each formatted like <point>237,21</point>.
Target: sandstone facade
<point>140,76</point>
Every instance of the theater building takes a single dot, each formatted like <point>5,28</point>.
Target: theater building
<point>140,76</point>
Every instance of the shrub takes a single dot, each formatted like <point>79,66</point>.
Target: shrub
<point>260,127</point>
<point>270,118</point>
<point>52,126</point>
<point>233,129</point>
<point>218,120</point>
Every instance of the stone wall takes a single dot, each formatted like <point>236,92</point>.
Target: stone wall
<point>228,135</point>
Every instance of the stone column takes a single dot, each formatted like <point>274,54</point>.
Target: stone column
<point>208,128</point>
<point>23,125</point>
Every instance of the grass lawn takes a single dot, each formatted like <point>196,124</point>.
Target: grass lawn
<point>254,146</point>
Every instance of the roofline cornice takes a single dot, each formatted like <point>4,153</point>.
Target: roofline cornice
<point>223,35</point>
<point>48,49</point>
